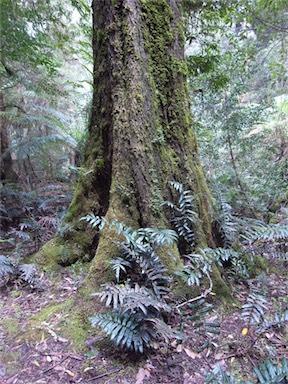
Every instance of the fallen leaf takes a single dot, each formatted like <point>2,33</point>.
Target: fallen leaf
<point>141,375</point>
<point>36,363</point>
<point>179,348</point>
<point>218,356</point>
<point>191,354</point>
<point>70,373</point>
<point>244,331</point>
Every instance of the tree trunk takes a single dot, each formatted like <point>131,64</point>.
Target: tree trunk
<point>140,135</point>
<point>7,174</point>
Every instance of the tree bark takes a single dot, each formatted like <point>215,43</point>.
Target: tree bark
<point>141,133</point>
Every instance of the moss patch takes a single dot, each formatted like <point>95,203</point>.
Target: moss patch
<point>64,320</point>
<point>11,327</point>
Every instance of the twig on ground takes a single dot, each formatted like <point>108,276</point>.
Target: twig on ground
<point>104,374</point>
<point>55,365</point>
<point>202,296</point>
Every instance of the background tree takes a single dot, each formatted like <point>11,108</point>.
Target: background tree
<point>37,117</point>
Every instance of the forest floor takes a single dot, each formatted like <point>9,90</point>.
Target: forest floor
<point>36,348</point>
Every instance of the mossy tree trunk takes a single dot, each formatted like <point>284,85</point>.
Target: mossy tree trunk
<point>141,133</point>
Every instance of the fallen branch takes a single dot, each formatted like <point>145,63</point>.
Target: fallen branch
<point>202,296</point>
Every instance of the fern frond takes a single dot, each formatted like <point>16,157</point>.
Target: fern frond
<point>114,294</point>
<point>48,221</point>
<point>253,310</point>
<point>120,265</point>
<point>27,273</point>
<point>271,373</point>
<point>124,329</point>
<point>157,237</point>
<point>177,186</point>
<point>219,376</point>
<point>184,212</point>
<point>131,299</point>
<point>199,266</point>
<point>163,330</point>
<point>6,267</point>
<point>97,222</point>
<point>226,220</point>
<point>263,232</point>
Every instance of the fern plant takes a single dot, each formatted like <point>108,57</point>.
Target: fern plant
<point>200,264</point>
<point>138,254</point>
<point>22,272</point>
<point>138,311</point>
<point>264,232</point>
<point>136,320</point>
<point>267,373</point>
<point>226,221</point>
<point>6,267</point>
<point>198,311</point>
<point>271,373</point>
<point>253,310</point>
<point>183,211</point>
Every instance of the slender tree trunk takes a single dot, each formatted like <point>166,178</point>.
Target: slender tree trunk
<point>141,133</point>
<point>7,174</point>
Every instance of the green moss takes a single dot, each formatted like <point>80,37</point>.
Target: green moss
<point>11,327</point>
<point>46,313</point>
<point>48,256</point>
<point>255,265</point>
<point>100,163</point>
<point>70,323</point>
<point>220,288</point>
<point>170,257</point>
<point>11,360</point>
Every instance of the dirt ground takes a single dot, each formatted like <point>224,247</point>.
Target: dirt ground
<point>35,349</point>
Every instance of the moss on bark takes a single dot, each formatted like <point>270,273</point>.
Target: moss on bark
<point>140,135</point>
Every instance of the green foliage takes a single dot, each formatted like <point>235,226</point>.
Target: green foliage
<point>6,267</point>
<point>22,272</point>
<point>184,214</point>
<point>267,373</point>
<point>253,310</point>
<point>131,299</point>
<point>266,233</point>
<point>225,219</point>
<point>136,321</point>
<point>138,253</point>
<point>200,264</point>
<point>218,376</point>
<point>198,310</point>
<point>271,373</point>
